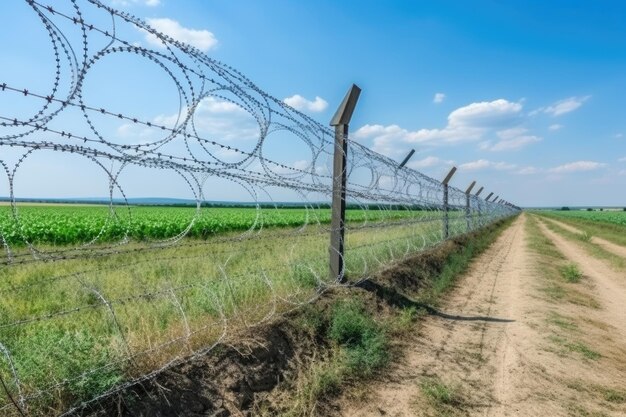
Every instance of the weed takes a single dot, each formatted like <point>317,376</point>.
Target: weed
<point>583,350</point>
<point>404,320</point>
<point>363,340</point>
<point>555,292</point>
<point>311,320</point>
<point>571,273</point>
<point>439,393</point>
<point>612,396</point>
<point>578,411</point>
<point>561,321</point>
<point>577,347</point>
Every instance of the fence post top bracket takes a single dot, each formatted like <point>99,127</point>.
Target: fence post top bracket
<point>469,189</point>
<point>448,177</point>
<point>406,159</point>
<point>346,108</point>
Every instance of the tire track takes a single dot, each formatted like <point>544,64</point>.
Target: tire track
<point>603,243</point>
<point>610,285</point>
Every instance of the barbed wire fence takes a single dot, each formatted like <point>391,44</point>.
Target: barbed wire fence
<point>81,322</point>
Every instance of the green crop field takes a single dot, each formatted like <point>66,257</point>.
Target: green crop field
<point>69,224</point>
<point>612,217</point>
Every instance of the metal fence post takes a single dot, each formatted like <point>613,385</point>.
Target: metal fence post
<point>340,121</point>
<point>446,207</point>
<point>467,205</point>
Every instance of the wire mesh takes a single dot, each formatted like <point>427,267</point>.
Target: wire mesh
<point>102,295</point>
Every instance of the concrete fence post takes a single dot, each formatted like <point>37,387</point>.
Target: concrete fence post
<point>340,121</point>
<point>468,205</point>
<point>446,207</point>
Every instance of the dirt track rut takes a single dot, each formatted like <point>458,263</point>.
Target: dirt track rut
<point>499,354</point>
<point>603,243</point>
<point>610,285</point>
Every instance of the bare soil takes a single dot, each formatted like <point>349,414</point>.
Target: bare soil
<point>228,382</point>
<point>505,348</point>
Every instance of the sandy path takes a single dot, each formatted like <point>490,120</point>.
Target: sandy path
<point>603,243</point>
<point>481,351</point>
<point>610,285</point>
<point>501,354</point>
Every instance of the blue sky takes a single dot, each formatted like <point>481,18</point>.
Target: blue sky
<point>526,97</point>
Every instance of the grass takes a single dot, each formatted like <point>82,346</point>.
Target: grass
<point>558,274</point>
<point>405,320</point>
<point>593,224</point>
<point>584,240</point>
<point>571,273</point>
<point>584,350</point>
<point>362,340</point>
<point>358,349</point>
<point>165,303</point>
<point>561,321</point>
<point>568,346</point>
<point>458,262</point>
<point>578,411</point>
<point>439,393</point>
<point>444,399</point>
<point>604,393</point>
<point>614,396</point>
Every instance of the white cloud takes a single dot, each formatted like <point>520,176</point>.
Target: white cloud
<point>466,123</point>
<point>528,171</point>
<point>511,133</point>
<point>555,127</point>
<point>300,103</point>
<point>483,164</point>
<point>439,97</point>
<point>515,143</point>
<point>562,106</point>
<point>428,162</point>
<point>619,135</point>
<point>201,39</point>
<point>622,172</point>
<point>485,114</point>
<point>511,139</point>
<point>149,3</point>
<point>622,159</point>
<point>578,166</point>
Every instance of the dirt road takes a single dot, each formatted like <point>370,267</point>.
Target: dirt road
<point>603,243</point>
<point>524,341</point>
